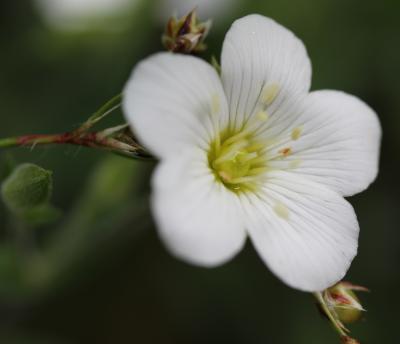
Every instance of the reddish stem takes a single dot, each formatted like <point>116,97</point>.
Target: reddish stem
<point>88,139</point>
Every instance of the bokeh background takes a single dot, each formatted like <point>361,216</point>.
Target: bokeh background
<point>100,274</point>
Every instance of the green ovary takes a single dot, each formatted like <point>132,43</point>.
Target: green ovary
<point>237,161</point>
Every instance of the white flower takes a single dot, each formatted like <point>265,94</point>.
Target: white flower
<point>254,153</point>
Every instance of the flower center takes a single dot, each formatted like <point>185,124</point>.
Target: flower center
<point>238,160</point>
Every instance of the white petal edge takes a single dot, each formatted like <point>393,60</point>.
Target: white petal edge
<point>173,101</point>
<point>198,219</point>
<point>339,143</point>
<point>262,58</point>
<point>305,233</point>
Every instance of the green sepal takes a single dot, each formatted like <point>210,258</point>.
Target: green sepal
<point>106,108</point>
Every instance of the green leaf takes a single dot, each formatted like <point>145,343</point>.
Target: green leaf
<point>29,186</point>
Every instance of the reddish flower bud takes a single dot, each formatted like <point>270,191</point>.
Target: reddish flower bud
<point>186,35</point>
<point>343,302</point>
<point>349,340</point>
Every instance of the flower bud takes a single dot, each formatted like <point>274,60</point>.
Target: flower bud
<point>27,187</point>
<point>349,340</point>
<point>343,302</point>
<point>186,35</point>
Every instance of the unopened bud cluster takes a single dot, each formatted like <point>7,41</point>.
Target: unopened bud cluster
<point>186,35</point>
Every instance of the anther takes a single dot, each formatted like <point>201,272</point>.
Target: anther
<point>262,116</point>
<point>296,133</point>
<point>281,210</point>
<point>285,151</point>
<point>269,93</point>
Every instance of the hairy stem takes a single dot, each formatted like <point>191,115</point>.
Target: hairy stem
<point>87,139</point>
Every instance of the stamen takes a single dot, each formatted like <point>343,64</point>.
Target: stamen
<point>258,145</point>
<point>269,93</point>
<point>217,143</point>
<point>236,137</point>
<point>262,116</point>
<point>231,151</point>
<point>215,109</point>
<point>238,161</point>
<point>225,176</point>
<point>296,133</point>
<point>247,157</point>
<point>257,171</point>
<point>258,160</point>
<point>281,210</point>
<point>246,179</point>
<point>285,151</point>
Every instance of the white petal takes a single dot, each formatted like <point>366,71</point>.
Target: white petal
<point>305,233</point>
<point>262,60</point>
<point>198,218</point>
<point>173,101</point>
<point>339,141</point>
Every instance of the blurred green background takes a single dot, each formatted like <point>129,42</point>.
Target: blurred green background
<point>101,275</point>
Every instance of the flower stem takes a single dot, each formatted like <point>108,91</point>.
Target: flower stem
<point>338,326</point>
<point>28,139</point>
<point>329,314</point>
<point>87,139</point>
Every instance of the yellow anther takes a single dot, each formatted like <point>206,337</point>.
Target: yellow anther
<point>296,133</point>
<point>269,93</point>
<point>262,116</point>
<point>282,211</point>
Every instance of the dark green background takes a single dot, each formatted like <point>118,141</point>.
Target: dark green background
<point>102,275</point>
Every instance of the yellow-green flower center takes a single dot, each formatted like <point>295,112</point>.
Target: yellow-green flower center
<point>237,160</point>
